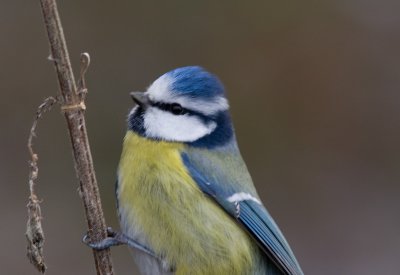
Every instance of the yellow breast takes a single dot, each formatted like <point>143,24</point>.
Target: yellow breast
<point>158,198</point>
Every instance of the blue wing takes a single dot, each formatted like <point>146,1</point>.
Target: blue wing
<point>209,170</point>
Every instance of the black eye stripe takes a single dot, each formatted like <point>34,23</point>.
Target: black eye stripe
<point>174,108</point>
<point>167,107</point>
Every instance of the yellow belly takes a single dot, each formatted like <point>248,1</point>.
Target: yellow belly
<point>159,199</point>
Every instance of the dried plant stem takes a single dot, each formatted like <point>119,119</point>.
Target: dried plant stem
<point>73,108</point>
<point>34,230</point>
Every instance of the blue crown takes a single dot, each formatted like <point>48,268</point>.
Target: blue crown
<point>195,82</point>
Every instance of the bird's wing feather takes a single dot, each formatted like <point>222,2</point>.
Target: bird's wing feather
<point>247,211</point>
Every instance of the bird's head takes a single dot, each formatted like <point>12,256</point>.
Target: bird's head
<point>186,105</point>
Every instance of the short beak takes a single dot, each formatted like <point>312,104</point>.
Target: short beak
<point>140,99</point>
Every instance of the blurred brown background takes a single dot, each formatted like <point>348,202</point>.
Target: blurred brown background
<point>314,92</point>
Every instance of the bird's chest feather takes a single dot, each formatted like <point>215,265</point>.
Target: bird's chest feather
<point>161,205</point>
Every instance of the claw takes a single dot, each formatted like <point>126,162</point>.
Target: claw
<point>110,232</point>
<point>107,242</point>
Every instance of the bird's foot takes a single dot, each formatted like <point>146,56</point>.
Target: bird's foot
<point>116,238</point>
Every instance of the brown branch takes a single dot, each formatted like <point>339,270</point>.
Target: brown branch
<point>73,107</point>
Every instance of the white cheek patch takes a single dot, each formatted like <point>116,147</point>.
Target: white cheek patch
<point>160,91</point>
<point>238,197</point>
<point>167,126</point>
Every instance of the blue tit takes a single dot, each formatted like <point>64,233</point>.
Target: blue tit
<point>186,201</point>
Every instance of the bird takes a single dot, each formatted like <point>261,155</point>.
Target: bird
<point>185,199</point>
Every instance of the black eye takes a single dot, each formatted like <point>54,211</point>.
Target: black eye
<point>176,109</point>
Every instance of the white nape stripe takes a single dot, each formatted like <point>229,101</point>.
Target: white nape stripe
<point>182,128</point>
<point>241,196</point>
<point>160,91</point>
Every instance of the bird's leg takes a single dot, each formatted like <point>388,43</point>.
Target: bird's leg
<point>116,238</point>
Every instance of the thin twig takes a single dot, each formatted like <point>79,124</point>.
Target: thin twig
<point>85,62</point>
<point>73,107</point>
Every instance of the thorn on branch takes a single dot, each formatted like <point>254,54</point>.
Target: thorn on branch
<point>51,58</point>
